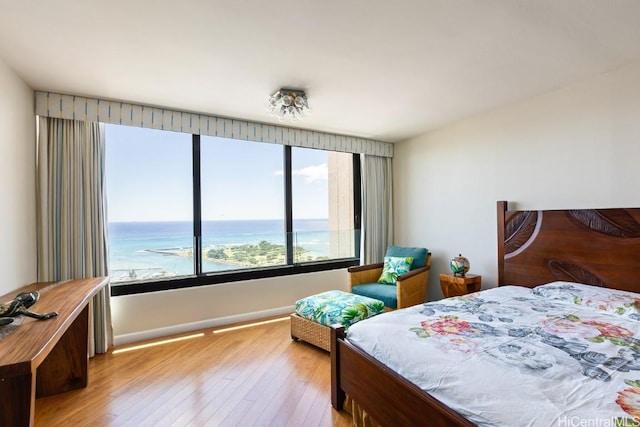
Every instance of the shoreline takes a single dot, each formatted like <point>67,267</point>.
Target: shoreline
<point>228,257</point>
<point>188,253</point>
<point>270,254</point>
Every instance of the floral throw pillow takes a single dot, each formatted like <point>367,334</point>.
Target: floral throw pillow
<point>394,267</point>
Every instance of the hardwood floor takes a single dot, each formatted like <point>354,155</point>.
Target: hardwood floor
<point>254,376</point>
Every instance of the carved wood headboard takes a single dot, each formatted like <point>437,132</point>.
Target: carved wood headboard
<point>599,247</point>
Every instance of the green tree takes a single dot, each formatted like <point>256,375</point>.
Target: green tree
<point>217,253</point>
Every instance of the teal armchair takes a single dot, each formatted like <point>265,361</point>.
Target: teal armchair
<point>410,288</point>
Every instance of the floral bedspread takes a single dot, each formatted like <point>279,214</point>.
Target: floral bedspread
<point>559,354</point>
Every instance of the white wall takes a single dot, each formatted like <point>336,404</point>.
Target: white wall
<point>17,182</point>
<point>577,147</point>
<point>151,315</point>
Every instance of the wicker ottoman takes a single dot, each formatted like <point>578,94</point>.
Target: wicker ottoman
<point>314,315</point>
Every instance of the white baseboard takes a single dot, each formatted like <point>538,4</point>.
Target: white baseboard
<point>203,324</point>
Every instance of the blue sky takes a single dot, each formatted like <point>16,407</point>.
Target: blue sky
<point>149,178</point>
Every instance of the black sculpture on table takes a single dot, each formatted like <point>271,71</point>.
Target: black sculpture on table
<point>20,305</point>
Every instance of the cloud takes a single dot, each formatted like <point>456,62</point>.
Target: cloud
<point>311,173</point>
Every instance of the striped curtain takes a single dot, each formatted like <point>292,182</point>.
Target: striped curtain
<point>377,208</point>
<point>71,204</point>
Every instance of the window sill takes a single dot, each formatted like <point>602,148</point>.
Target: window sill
<point>140,287</point>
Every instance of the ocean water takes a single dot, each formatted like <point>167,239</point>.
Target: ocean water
<point>131,244</point>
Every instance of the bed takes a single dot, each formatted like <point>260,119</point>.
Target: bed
<point>577,335</point>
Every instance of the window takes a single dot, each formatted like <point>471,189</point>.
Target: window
<point>185,210</point>
<point>150,206</point>
<point>242,204</point>
<point>322,184</point>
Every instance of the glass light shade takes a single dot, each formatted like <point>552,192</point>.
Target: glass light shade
<point>288,104</point>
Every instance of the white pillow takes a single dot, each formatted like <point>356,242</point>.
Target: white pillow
<point>611,301</point>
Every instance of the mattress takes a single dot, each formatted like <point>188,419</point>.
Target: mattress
<point>558,354</point>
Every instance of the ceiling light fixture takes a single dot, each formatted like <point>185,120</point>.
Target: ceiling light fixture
<point>288,104</point>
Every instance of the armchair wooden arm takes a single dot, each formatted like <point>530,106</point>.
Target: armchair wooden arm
<point>361,274</point>
<point>412,287</point>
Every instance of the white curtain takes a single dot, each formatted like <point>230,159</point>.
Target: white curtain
<point>71,200</point>
<point>377,207</point>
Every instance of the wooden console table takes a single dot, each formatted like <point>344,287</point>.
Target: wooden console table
<point>44,357</point>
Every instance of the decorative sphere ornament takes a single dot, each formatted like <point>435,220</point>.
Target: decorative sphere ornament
<point>459,265</point>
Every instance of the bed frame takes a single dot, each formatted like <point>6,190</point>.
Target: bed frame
<point>599,247</point>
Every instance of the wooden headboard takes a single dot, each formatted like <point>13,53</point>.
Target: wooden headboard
<point>599,247</point>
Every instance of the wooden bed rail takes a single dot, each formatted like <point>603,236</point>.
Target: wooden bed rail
<point>388,398</point>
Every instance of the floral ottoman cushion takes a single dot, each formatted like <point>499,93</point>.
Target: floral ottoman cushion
<point>333,307</point>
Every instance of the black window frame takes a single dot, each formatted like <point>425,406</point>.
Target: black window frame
<point>201,278</point>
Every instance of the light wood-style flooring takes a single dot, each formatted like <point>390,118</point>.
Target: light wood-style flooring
<point>254,376</point>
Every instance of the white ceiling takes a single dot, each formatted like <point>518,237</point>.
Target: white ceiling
<point>379,69</point>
